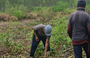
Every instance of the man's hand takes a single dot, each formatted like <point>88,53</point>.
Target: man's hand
<point>37,39</point>
<point>45,55</point>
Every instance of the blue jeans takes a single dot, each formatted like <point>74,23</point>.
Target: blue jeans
<point>35,44</point>
<point>78,50</point>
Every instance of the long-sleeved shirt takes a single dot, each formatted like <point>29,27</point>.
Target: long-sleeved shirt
<point>79,27</point>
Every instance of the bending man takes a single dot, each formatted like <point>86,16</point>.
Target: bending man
<point>41,32</point>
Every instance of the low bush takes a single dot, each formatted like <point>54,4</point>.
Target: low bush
<point>88,9</point>
<point>60,6</point>
<point>38,8</point>
<point>17,14</point>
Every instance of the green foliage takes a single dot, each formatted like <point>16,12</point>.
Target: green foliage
<point>61,6</point>
<point>38,8</point>
<point>17,14</point>
<point>4,38</point>
<point>34,3</point>
<point>29,46</point>
<point>64,47</point>
<point>16,48</point>
<point>88,9</point>
<point>20,7</point>
<point>18,10</point>
<point>35,22</point>
<point>68,11</point>
<point>14,31</point>
<point>6,41</point>
<point>59,32</point>
<point>7,6</point>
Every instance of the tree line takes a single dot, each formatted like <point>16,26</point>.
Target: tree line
<point>34,3</point>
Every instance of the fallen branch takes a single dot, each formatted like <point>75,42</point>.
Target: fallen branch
<point>67,49</point>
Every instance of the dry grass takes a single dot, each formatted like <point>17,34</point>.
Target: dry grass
<point>6,17</point>
<point>31,16</point>
<point>13,18</point>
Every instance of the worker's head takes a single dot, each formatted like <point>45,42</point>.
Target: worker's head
<point>81,3</point>
<point>47,30</point>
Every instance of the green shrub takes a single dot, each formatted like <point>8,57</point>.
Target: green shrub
<point>61,6</point>
<point>88,9</point>
<point>69,11</point>
<point>17,14</point>
<point>23,8</point>
<point>38,8</point>
<point>4,39</point>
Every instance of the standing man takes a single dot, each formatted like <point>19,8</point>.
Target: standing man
<point>41,32</point>
<point>79,29</point>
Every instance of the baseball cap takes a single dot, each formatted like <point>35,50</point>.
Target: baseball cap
<point>47,30</point>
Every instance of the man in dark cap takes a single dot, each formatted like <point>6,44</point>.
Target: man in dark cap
<point>79,29</point>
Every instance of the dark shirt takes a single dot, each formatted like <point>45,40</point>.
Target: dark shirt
<point>39,32</point>
<point>78,23</point>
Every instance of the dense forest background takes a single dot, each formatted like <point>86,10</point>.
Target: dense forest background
<point>18,7</point>
<point>30,4</point>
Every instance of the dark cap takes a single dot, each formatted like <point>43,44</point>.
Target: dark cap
<point>81,3</point>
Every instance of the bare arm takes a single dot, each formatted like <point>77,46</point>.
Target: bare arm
<point>46,47</point>
<point>36,36</point>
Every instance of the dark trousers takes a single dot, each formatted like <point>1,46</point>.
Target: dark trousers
<point>35,44</point>
<point>78,50</point>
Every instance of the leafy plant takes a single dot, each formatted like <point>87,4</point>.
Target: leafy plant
<point>88,9</point>
<point>38,8</point>
<point>61,6</point>
<point>17,14</point>
<point>59,32</point>
<point>16,49</point>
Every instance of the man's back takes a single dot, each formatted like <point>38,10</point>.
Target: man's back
<point>78,22</point>
<point>78,30</point>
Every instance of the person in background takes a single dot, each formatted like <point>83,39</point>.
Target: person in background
<point>79,29</point>
<point>41,32</point>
